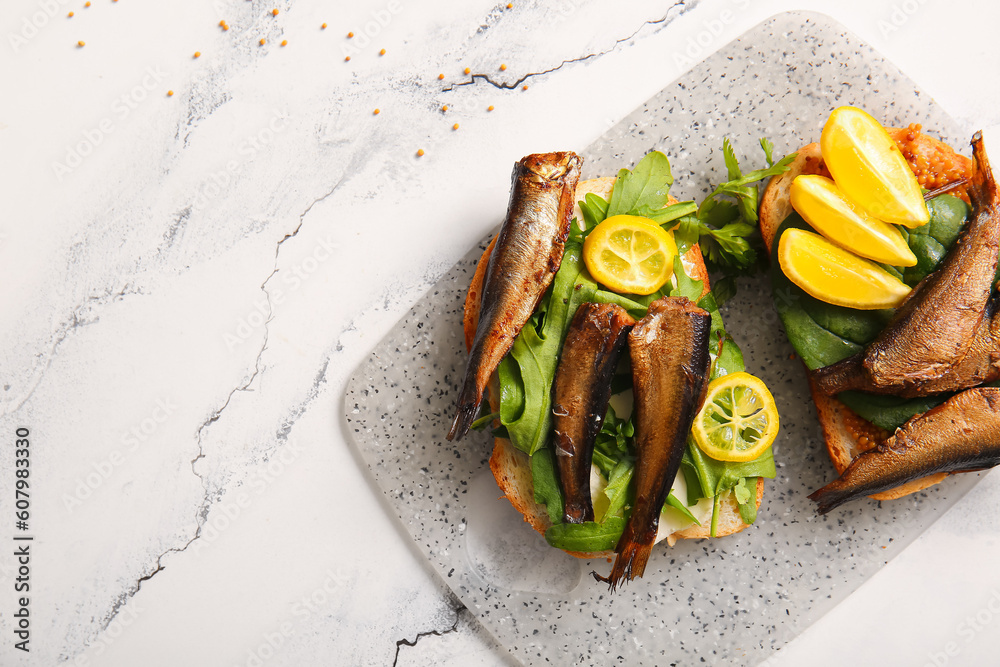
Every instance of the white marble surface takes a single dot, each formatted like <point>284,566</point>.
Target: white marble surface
<point>189,281</point>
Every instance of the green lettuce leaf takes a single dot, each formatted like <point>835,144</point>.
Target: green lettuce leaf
<point>644,190</point>
<point>546,483</point>
<point>586,537</point>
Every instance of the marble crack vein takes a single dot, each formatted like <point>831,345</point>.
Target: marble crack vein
<point>683,4</point>
<point>78,318</point>
<point>206,500</point>
<point>436,633</point>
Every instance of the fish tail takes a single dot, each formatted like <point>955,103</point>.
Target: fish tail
<point>467,410</point>
<point>833,495</point>
<point>633,554</point>
<point>841,376</point>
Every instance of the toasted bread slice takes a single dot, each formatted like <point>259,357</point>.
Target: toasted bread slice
<point>935,164</point>
<point>511,467</point>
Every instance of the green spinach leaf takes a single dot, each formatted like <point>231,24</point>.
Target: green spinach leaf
<point>586,537</point>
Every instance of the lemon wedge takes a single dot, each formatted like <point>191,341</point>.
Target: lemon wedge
<point>831,274</point>
<point>868,166</point>
<point>738,419</point>
<point>824,206</point>
<point>630,255</point>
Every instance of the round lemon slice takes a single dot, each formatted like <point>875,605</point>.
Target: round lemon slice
<point>834,275</point>
<point>738,420</point>
<point>868,166</point>
<point>630,255</point>
<point>824,206</point>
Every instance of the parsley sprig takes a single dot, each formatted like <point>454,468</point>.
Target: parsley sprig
<point>725,224</point>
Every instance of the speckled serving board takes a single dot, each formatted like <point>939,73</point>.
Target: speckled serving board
<point>732,600</point>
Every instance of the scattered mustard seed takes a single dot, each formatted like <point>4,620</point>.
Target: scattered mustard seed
<point>81,44</point>
<point>349,35</point>
<point>323,27</point>
<point>444,108</point>
<point>170,93</point>
<point>489,108</point>
<point>70,15</point>
<point>503,68</point>
<point>377,112</point>
<point>440,77</point>
<point>382,52</point>
<point>197,54</point>
<point>455,126</point>
<point>420,153</point>
<point>524,87</point>
<point>467,70</point>
<point>274,12</point>
<point>347,59</point>
<point>263,41</point>
<point>284,42</point>
<point>87,4</point>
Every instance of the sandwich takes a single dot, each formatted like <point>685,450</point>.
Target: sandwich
<point>619,406</point>
<point>884,257</point>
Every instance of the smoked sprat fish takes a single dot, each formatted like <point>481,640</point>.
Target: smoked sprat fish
<point>670,365</point>
<point>525,258</point>
<point>961,434</point>
<point>582,388</point>
<point>926,346</point>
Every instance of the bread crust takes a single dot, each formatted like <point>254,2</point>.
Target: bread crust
<point>511,467</point>
<point>846,434</point>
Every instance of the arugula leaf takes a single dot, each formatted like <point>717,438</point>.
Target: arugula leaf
<point>526,374</point>
<point>546,483</point>
<point>768,147</point>
<point>595,211</point>
<point>673,212</point>
<point>746,499</point>
<point>726,229</point>
<point>484,421</point>
<point>586,537</point>
<point>686,285</point>
<point>618,487</point>
<point>644,190</point>
<point>716,477</point>
<point>674,502</point>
